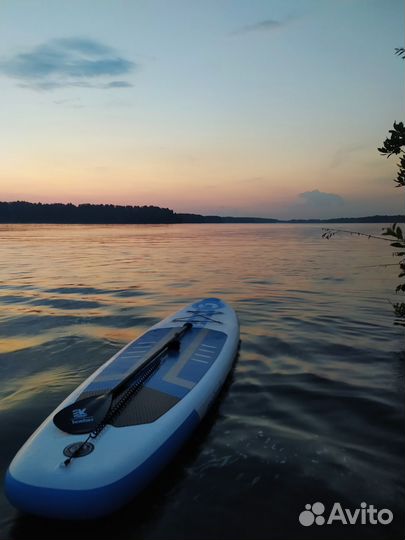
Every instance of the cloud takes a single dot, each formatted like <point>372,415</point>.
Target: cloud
<point>118,84</point>
<point>267,25</point>
<point>68,62</point>
<point>51,85</point>
<point>318,198</point>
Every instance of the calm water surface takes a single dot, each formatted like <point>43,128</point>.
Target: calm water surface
<point>313,410</point>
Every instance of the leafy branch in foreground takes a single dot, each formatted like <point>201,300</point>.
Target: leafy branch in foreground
<point>396,232</point>
<point>331,232</point>
<point>394,144</point>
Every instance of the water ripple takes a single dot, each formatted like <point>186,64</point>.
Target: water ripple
<point>313,410</point>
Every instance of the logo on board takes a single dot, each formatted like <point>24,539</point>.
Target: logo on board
<point>210,304</point>
<point>80,416</point>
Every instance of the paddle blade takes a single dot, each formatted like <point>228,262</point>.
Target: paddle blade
<point>83,416</point>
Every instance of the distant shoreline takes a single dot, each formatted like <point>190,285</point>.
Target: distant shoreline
<point>108,214</point>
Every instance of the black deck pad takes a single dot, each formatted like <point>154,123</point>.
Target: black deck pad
<point>146,406</point>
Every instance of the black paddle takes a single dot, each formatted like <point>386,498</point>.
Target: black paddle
<point>85,415</point>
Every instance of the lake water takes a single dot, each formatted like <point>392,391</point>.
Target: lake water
<point>313,410</point>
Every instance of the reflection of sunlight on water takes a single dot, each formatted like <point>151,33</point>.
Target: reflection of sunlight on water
<point>20,391</point>
<point>8,345</point>
<point>112,335</point>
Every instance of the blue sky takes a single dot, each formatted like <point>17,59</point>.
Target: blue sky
<point>267,108</point>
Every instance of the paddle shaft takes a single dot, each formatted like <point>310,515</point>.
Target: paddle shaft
<point>63,419</point>
<point>174,336</point>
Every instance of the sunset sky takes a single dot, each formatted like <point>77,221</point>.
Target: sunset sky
<point>271,108</point>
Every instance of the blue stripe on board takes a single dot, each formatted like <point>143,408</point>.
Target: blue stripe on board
<point>92,503</point>
<point>127,361</point>
<point>192,371</point>
<point>137,351</point>
<point>195,367</point>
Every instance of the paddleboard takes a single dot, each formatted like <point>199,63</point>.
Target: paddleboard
<point>64,475</point>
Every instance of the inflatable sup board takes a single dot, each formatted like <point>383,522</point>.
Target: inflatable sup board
<point>119,428</point>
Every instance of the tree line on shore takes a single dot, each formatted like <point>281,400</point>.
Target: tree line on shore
<point>27,212</point>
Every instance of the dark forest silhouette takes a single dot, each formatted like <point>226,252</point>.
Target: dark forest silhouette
<point>27,212</point>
